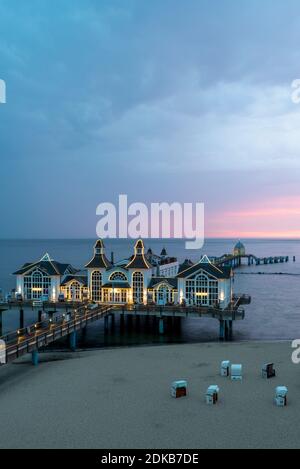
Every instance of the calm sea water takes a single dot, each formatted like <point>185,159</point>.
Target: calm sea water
<point>273,314</point>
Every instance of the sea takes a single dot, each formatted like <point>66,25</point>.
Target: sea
<point>274,312</point>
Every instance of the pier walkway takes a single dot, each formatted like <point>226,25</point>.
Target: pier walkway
<point>30,339</point>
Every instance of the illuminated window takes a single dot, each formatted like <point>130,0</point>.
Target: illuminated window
<point>96,282</point>
<point>118,276</point>
<point>36,285</point>
<point>137,287</point>
<point>202,291</point>
<point>75,291</point>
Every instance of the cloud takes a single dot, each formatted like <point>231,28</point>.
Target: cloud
<point>159,92</point>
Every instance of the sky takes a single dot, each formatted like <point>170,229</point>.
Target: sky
<point>168,100</point>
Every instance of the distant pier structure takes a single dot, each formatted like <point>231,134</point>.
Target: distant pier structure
<point>239,257</point>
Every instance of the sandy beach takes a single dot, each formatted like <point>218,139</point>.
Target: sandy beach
<point>120,398</point>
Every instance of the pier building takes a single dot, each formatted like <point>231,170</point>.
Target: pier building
<point>143,279</point>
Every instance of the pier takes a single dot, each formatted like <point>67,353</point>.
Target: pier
<point>236,261</point>
<point>36,336</point>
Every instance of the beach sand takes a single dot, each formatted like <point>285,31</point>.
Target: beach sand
<point>120,398</point>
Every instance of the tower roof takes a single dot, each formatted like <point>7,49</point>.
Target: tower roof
<point>99,261</point>
<point>139,261</point>
<point>239,245</point>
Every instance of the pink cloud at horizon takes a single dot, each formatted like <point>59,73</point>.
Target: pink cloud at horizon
<point>275,218</point>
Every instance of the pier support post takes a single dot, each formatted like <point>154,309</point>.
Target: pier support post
<point>129,321</point>
<point>112,322</point>
<point>228,329</point>
<point>161,325</point>
<point>106,324</point>
<point>40,316</point>
<point>138,321</point>
<point>122,322</point>
<point>72,340</point>
<point>222,329</point>
<point>35,357</point>
<point>21,318</point>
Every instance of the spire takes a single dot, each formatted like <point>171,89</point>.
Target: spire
<point>99,247</point>
<point>139,248</point>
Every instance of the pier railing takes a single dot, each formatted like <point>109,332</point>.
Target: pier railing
<point>41,334</point>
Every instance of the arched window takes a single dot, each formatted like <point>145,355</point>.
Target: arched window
<point>118,276</point>
<point>36,285</point>
<point>202,291</point>
<point>137,287</point>
<point>96,282</point>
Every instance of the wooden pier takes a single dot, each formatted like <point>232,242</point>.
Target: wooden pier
<point>32,338</point>
<point>235,261</point>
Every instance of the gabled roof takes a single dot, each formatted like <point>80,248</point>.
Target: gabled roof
<point>171,281</point>
<point>82,279</point>
<point>47,266</point>
<point>210,269</point>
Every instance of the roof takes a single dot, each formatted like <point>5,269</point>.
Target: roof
<point>239,245</point>
<point>80,278</point>
<point>163,252</point>
<point>185,265</point>
<point>172,281</point>
<point>48,266</point>
<point>99,261</point>
<point>139,261</point>
<point>210,269</point>
<point>116,285</point>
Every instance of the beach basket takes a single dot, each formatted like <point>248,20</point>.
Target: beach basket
<point>268,370</point>
<point>225,367</point>
<point>281,396</point>
<point>236,372</point>
<point>179,388</point>
<point>212,394</point>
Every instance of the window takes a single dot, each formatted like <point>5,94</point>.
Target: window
<point>75,291</point>
<point>118,276</point>
<point>202,291</point>
<point>36,285</point>
<point>96,282</point>
<point>137,287</point>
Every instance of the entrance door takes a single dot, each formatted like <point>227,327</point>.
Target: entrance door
<point>201,291</point>
<point>117,297</point>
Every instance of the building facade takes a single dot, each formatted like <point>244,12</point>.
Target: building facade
<point>135,280</point>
